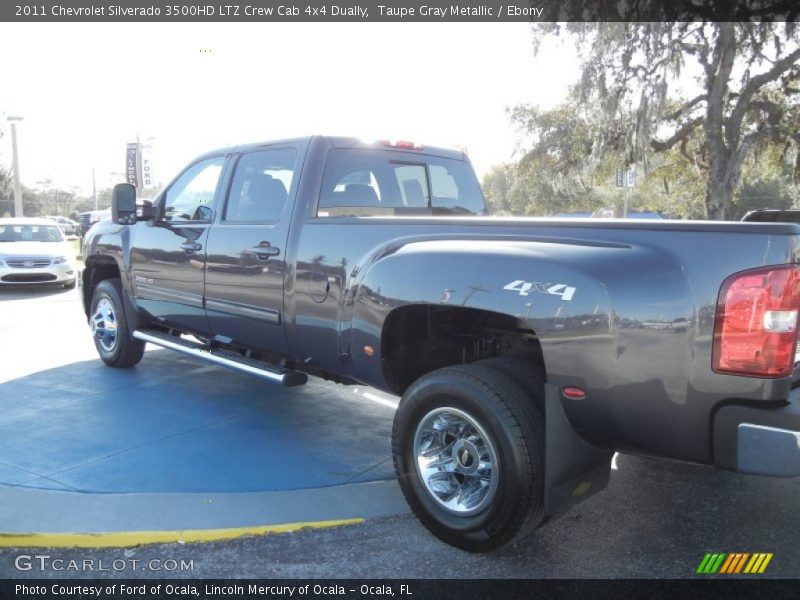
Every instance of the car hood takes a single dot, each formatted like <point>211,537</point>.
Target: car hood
<point>35,249</point>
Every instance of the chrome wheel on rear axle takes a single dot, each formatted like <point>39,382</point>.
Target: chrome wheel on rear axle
<point>456,461</point>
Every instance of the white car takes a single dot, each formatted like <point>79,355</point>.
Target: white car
<point>34,251</point>
<point>68,226</point>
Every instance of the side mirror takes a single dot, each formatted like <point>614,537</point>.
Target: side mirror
<point>123,204</point>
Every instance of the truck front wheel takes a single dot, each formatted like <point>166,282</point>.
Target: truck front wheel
<point>468,446</point>
<point>110,330</point>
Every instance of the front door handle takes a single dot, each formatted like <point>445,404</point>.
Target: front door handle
<point>191,247</point>
<point>264,250</point>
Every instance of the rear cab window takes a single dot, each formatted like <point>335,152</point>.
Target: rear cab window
<point>373,182</point>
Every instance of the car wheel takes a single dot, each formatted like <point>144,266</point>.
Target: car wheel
<point>468,447</point>
<point>112,336</point>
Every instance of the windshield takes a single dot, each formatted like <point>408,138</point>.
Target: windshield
<point>29,232</point>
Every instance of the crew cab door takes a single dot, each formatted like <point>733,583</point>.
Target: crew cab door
<point>168,256</point>
<point>246,259</point>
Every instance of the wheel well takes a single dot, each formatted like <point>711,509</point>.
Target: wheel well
<point>97,270</point>
<point>420,338</point>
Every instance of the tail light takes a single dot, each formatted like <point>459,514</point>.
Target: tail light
<point>755,332</point>
<point>402,145</point>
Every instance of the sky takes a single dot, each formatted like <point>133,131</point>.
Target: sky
<point>85,90</point>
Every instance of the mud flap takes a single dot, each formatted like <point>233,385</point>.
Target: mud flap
<point>574,469</point>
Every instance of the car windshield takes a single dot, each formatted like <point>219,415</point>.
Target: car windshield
<point>30,232</point>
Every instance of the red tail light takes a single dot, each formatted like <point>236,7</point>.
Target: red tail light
<point>403,145</point>
<point>755,331</point>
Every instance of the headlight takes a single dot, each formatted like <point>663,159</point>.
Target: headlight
<point>59,259</point>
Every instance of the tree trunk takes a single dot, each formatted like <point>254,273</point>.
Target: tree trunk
<point>723,178</point>
<point>717,200</point>
<point>720,155</point>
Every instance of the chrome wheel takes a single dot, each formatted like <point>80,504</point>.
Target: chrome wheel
<point>104,325</point>
<point>456,461</point>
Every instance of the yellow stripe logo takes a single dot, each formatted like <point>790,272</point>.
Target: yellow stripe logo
<point>734,563</point>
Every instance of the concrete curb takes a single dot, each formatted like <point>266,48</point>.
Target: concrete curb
<point>31,517</point>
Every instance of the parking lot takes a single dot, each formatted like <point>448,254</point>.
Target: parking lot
<point>170,435</point>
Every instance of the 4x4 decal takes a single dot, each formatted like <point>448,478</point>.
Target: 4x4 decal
<point>526,287</point>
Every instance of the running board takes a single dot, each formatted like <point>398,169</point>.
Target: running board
<point>225,358</point>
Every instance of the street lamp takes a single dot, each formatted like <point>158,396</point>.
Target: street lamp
<point>15,160</point>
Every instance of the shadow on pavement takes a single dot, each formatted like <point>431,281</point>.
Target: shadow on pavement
<point>175,425</point>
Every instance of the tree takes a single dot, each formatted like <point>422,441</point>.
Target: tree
<point>566,165</point>
<point>747,80</point>
<point>570,154</point>
<point>6,193</point>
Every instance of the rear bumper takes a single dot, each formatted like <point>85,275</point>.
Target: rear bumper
<point>762,441</point>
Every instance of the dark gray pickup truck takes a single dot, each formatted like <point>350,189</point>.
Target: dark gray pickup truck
<point>527,351</point>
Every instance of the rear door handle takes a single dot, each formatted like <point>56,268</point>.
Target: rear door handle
<point>264,250</point>
<point>191,247</point>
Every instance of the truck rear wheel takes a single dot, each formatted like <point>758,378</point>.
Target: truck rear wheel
<point>110,330</point>
<point>468,446</point>
<point>528,374</point>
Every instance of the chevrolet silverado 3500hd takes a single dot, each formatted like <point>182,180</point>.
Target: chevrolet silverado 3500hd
<point>526,351</point>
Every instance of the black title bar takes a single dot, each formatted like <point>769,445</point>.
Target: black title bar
<point>278,11</point>
<point>376,589</point>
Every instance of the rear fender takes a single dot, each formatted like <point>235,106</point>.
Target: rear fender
<point>548,285</point>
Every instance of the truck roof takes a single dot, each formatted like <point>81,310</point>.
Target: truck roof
<point>339,142</point>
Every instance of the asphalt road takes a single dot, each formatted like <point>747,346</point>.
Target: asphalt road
<point>656,519</point>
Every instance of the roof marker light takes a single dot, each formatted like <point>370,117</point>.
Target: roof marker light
<point>402,144</point>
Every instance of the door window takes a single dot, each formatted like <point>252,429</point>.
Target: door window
<point>191,197</point>
<point>260,186</point>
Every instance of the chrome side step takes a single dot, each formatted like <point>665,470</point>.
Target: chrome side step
<point>224,358</point>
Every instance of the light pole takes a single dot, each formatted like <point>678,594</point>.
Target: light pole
<point>15,159</point>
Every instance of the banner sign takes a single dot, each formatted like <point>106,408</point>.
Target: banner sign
<point>132,164</point>
<point>146,154</point>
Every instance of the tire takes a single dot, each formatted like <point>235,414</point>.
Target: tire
<point>107,314</point>
<point>507,432</point>
<point>528,375</point>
